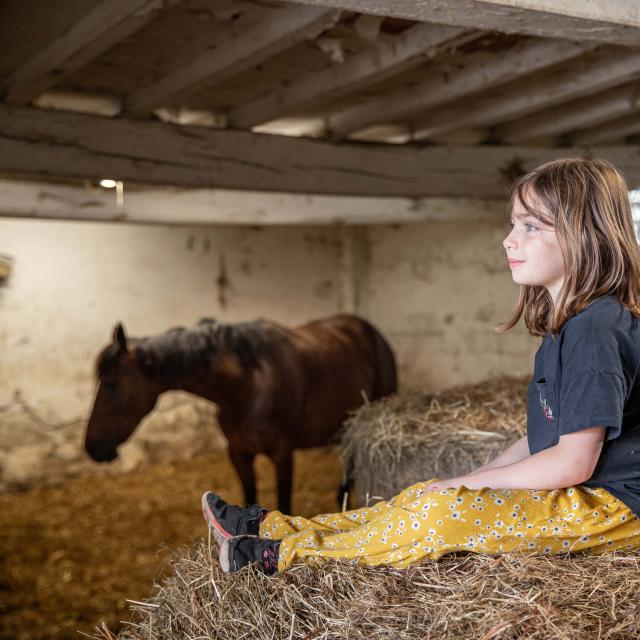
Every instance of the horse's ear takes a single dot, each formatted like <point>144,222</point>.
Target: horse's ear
<point>119,337</point>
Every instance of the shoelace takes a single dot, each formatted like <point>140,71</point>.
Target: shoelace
<point>269,560</point>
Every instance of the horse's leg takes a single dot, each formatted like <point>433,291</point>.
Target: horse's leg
<point>243,462</point>
<point>346,485</point>
<point>283,461</point>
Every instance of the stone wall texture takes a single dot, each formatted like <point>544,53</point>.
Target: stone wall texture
<point>435,289</point>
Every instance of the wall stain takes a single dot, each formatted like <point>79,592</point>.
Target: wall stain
<point>421,271</point>
<point>486,313</point>
<point>323,289</point>
<point>222,281</point>
<point>321,240</point>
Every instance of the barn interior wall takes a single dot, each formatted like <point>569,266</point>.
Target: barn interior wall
<point>435,289</point>
<point>72,281</point>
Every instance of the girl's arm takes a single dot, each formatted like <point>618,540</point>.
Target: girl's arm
<point>570,462</point>
<point>517,451</point>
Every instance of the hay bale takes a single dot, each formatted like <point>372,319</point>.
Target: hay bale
<point>463,595</point>
<point>458,597</point>
<point>405,438</point>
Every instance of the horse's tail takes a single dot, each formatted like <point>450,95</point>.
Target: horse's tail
<point>386,380</point>
<point>384,384</point>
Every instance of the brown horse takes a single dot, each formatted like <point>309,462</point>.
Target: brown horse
<point>277,388</point>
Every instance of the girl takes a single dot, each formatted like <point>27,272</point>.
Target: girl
<point>573,482</point>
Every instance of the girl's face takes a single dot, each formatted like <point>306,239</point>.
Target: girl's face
<point>533,251</point>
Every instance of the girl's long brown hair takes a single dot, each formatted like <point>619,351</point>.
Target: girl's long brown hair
<point>587,202</point>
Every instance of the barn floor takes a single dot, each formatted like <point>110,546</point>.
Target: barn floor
<point>70,556</point>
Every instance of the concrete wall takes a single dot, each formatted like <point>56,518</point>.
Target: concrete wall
<point>435,289</point>
<point>72,281</point>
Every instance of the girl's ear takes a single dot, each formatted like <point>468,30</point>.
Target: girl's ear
<point>119,337</point>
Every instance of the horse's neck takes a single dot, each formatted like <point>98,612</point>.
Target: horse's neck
<point>215,377</point>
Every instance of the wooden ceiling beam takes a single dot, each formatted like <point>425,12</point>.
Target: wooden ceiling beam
<point>608,131</point>
<point>101,28</point>
<point>566,118</point>
<point>614,22</point>
<point>586,77</point>
<point>481,71</point>
<point>389,56</point>
<point>282,29</point>
<point>170,206</point>
<point>35,142</point>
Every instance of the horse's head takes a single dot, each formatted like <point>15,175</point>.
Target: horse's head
<point>126,394</point>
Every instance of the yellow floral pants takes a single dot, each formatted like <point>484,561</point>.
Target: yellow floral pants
<point>418,524</point>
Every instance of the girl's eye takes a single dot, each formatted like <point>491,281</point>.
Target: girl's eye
<point>526,225</point>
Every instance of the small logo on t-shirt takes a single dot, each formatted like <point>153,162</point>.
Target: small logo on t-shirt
<point>546,409</point>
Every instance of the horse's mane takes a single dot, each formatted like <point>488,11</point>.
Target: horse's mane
<point>181,350</point>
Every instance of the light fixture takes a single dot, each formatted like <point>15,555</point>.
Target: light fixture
<point>118,185</point>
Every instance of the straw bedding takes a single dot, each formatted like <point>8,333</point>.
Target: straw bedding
<point>403,439</point>
<point>460,596</point>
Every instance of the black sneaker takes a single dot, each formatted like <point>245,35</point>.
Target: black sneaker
<point>236,553</point>
<point>226,520</point>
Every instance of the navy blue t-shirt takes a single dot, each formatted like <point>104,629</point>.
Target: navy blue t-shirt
<point>586,377</point>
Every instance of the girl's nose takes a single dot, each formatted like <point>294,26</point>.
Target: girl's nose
<point>509,242</point>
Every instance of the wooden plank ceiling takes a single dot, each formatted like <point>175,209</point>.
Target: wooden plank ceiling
<point>357,97</point>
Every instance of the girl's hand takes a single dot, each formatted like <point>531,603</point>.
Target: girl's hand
<point>451,483</point>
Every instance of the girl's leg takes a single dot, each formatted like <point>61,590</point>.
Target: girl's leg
<point>418,524</point>
<point>276,525</point>
<point>376,535</point>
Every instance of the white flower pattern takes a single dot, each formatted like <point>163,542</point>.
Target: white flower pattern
<point>419,523</point>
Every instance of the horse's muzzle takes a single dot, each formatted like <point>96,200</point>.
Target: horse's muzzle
<point>102,455</point>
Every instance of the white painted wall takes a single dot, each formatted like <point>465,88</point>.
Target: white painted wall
<point>435,289</point>
<point>71,282</point>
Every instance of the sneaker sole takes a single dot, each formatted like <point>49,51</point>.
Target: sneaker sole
<point>220,534</point>
<point>223,556</point>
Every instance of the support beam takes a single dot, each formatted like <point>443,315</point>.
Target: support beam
<point>389,57</point>
<point>108,23</point>
<point>279,31</point>
<point>579,114</point>
<point>481,72</point>
<point>571,82</point>
<point>616,22</point>
<point>48,143</point>
<point>609,131</point>
<point>170,206</point>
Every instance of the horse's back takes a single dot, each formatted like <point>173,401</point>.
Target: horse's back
<point>366,339</point>
<point>371,340</point>
<point>343,359</point>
